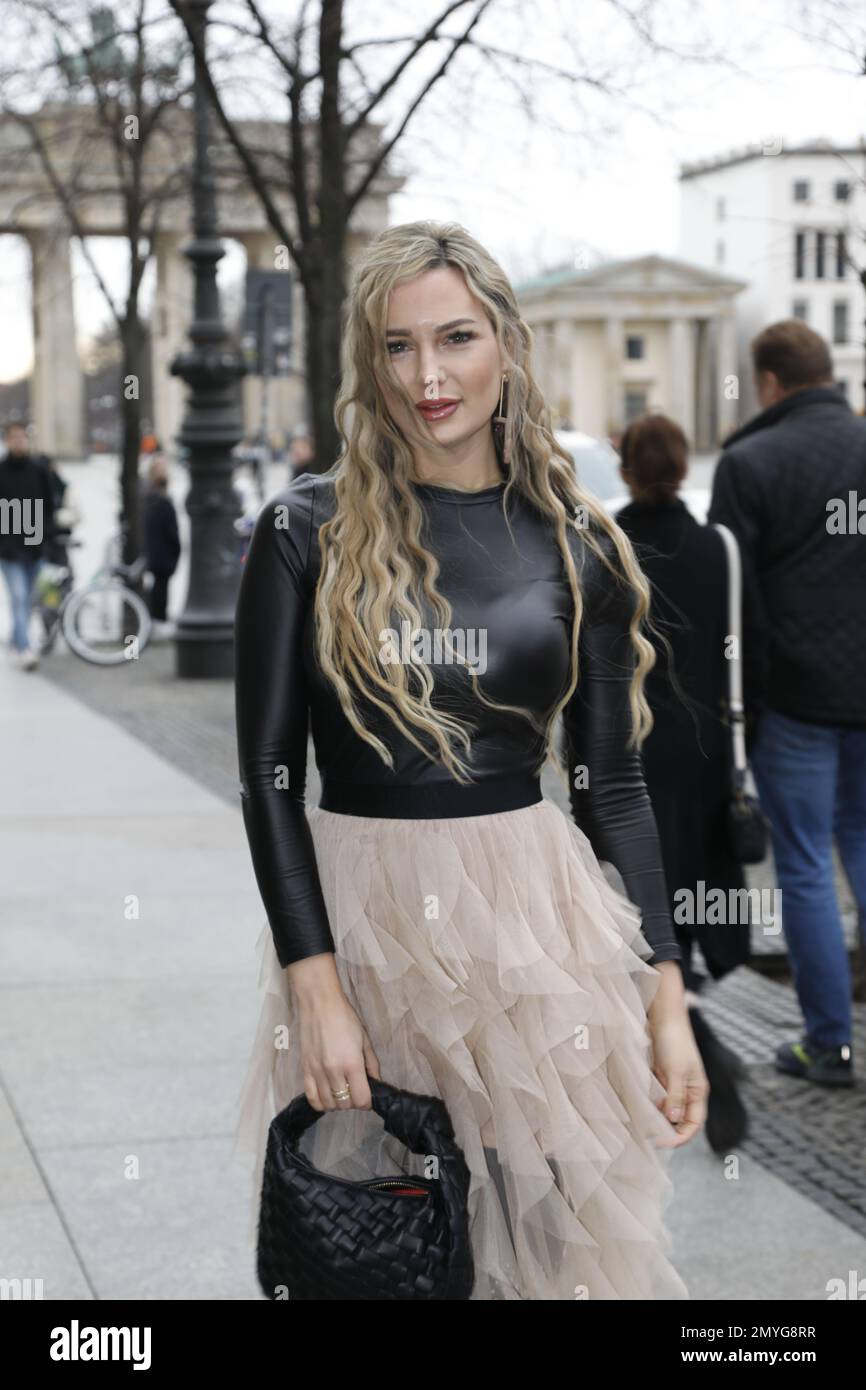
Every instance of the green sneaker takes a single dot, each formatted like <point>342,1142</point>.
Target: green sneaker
<point>827,1066</point>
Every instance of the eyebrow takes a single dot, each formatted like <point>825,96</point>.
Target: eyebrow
<point>440,328</point>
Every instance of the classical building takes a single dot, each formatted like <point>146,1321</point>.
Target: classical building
<point>628,336</point>
<point>789,221</point>
<point>82,151</point>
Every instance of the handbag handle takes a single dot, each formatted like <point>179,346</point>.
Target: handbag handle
<point>420,1122</point>
<point>736,711</point>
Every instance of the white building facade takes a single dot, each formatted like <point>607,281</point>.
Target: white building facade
<point>625,337</point>
<point>790,222</point>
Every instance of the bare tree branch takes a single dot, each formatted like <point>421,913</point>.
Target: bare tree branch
<point>429,35</point>
<point>384,150</point>
<point>249,163</point>
<point>67,203</point>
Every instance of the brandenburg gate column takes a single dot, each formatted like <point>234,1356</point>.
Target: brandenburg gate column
<point>172,314</point>
<point>58,381</point>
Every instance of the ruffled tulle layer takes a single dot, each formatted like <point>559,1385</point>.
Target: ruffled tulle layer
<point>493,965</point>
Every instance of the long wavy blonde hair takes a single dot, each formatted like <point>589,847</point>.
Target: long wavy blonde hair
<point>375,567</point>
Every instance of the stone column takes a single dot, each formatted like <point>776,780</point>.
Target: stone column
<point>563,354</point>
<point>682,374</point>
<point>541,357</point>
<point>728,385</point>
<point>614,351</point>
<point>58,383</point>
<point>705,406</point>
<point>172,315</point>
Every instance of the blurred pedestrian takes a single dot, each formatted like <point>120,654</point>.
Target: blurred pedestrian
<point>687,756</point>
<point>161,541</point>
<point>66,516</point>
<point>301,453</point>
<point>26,530</point>
<point>780,485</point>
<point>149,442</point>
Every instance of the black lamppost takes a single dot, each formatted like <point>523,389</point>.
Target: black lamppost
<point>212,422</point>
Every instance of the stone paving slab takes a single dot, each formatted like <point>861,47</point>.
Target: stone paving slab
<point>120,1040</point>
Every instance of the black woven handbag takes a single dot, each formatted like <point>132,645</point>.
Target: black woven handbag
<point>323,1237</point>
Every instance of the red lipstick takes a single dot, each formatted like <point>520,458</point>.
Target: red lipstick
<point>437,409</point>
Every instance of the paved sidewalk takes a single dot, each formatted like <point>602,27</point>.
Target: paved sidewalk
<point>126,1037</point>
<point>123,1039</point>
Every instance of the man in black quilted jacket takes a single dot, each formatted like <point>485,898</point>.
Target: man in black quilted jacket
<point>791,485</point>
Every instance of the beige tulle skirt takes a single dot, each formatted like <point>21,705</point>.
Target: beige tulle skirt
<point>492,965</point>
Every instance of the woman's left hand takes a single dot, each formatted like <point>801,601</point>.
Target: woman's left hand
<point>676,1062</point>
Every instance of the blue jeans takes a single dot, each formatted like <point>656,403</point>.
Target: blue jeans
<point>811,780</point>
<point>20,576</point>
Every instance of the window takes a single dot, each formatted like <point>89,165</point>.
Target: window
<point>842,191</point>
<point>634,346</point>
<point>801,190</point>
<point>799,255</point>
<point>720,253</point>
<point>841,256</point>
<point>635,404</point>
<point>820,240</point>
<point>800,310</point>
<point>720,209</point>
<point>840,321</point>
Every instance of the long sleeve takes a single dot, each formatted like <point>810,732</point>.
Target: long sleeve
<point>735,504</point>
<point>613,809</point>
<point>272,713</point>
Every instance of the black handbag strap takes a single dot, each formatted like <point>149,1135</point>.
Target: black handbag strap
<point>736,711</point>
<point>420,1122</point>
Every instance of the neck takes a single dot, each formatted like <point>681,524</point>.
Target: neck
<point>780,395</point>
<point>470,466</point>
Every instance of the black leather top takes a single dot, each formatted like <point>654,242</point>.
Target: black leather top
<point>520,598</point>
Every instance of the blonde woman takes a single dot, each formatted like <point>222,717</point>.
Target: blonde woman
<point>432,604</point>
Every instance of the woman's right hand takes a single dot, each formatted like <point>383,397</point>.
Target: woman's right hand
<point>335,1049</point>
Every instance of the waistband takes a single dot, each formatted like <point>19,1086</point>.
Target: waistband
<point>430,800</point>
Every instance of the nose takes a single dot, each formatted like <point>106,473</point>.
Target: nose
<point>431,386</point>
<point>428,366</point>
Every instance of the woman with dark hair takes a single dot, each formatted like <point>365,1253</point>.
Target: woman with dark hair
<point>430,605</point>
<point>687,756</point>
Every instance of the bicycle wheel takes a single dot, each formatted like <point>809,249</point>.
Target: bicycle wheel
<point>106,624</point>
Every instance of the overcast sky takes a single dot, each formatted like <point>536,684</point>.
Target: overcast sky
<point>607,178</point>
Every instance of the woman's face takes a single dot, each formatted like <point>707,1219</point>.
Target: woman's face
<point>442,348</point>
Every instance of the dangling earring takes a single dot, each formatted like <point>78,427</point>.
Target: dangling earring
<point>502,420</point>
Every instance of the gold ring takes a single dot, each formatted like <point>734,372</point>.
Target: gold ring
<point>343,1094</point>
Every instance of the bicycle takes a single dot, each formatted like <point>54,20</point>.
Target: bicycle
<point>105,622</point>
